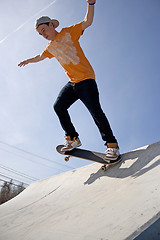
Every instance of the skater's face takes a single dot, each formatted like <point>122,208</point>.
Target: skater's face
<point>47,31</point>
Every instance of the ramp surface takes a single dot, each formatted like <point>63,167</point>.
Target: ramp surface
<point>89,204</point>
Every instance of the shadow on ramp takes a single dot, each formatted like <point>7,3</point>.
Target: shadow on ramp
<point>133,164</point>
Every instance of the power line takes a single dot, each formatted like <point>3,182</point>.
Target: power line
<point>18,173</point>
<point>1,174</point>
<point>13,183</point>
<point>35,155</point>
<point>31,160</point>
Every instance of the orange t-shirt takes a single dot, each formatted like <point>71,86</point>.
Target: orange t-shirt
<point>67,50</point>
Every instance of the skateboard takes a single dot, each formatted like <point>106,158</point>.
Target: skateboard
<point>88,155</point>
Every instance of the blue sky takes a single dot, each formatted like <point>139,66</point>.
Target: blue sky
<point>123,47</point>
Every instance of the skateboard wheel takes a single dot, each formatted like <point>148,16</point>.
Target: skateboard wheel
<point>103,168</point>
<point>67,159</point>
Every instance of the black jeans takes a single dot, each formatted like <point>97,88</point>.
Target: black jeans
<point>87,92</point>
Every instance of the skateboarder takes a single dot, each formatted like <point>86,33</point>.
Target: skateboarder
<point>65,47</point>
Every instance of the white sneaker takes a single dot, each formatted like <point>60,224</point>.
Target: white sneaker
<point>71,144</point>
<point>112,151</point>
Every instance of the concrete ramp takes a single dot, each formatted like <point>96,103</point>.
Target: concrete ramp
<point>89,204</point>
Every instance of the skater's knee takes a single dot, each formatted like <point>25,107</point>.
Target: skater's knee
<point>59,107</point>
<point>56,107</point>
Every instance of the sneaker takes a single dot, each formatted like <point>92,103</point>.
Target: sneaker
<point>71,144</point>
<point>112,151</point>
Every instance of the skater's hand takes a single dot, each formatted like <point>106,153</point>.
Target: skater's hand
<point>35,59</point>
<point>91,1</point>
<point>23,63</point>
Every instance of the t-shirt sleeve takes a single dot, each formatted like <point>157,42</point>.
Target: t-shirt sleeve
<point>76,31</point>
<point>46,53</point>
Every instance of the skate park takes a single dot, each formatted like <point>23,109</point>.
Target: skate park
<point>88,203</point>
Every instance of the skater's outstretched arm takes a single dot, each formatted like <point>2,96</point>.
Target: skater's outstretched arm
<point>37,58</point>
<point>89,15</point>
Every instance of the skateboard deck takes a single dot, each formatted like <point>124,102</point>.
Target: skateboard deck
<point>87,155</point>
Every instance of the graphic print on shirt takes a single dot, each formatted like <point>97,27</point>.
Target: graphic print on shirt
<point>64,50</point>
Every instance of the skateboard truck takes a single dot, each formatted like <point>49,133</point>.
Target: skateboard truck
<point>104,168</point>
<point>67,158</point>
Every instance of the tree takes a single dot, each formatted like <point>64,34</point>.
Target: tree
<point>9,190</point>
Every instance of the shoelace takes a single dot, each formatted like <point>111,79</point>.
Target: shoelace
<point>110,151</point>
<point>67,143</point>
